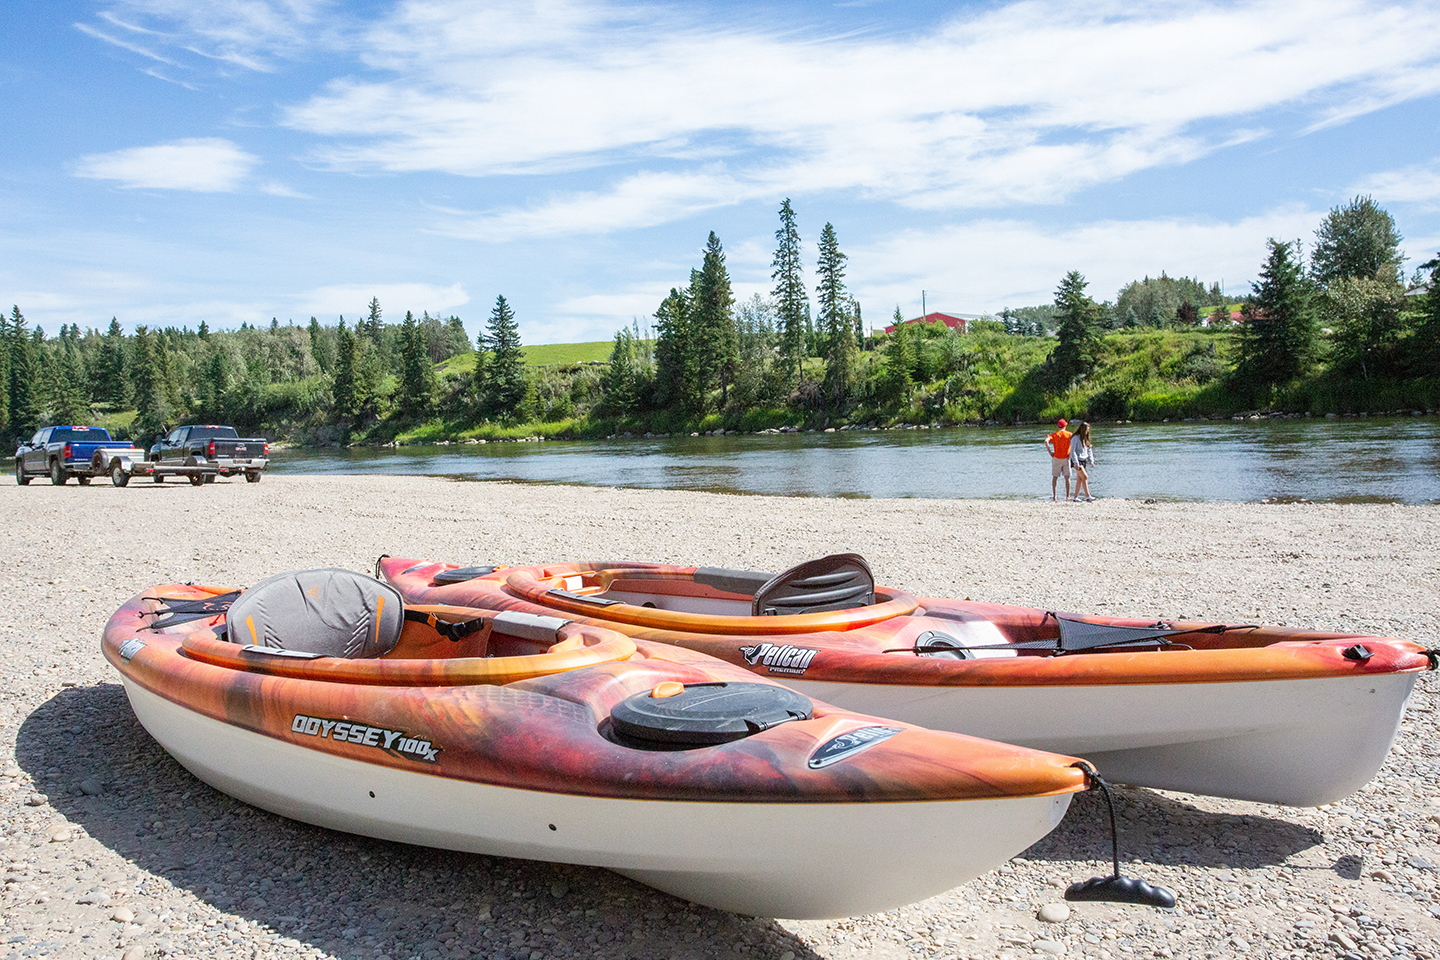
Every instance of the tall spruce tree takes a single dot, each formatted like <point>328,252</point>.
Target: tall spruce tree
<point>342,384</point>
<point>110,383</point>
<point>836,325</point>
<point>619,380</point>
<point>791,302</point>
<point>715,344</point>
<point>152,411</point>
<point>675,374</point>
<point>25,385</point>
<point>1278,333</point>
<point>5,434</point>
<point>372,325</point>
<point>68,400</point>
<point>1074,355</point>
<point>418,383</point>
<point>505,379</point>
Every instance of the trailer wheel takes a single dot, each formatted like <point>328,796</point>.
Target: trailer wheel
<point>20,477</point>
<point>209,478</point>
<point>58,476</point>
<point>252,476</point>
<point>118,476</point>
<point>196,479</point>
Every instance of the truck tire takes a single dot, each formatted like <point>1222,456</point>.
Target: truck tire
<point>252,476</point>
<point>20,477</point>
<point>58,476</point>
<point>118,476</point>
<point>83,479</point>
<point>209,478</point>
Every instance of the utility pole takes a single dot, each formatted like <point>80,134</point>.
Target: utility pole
<point>923,312</point>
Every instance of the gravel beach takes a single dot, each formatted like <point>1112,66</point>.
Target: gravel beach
<point>111,849</point>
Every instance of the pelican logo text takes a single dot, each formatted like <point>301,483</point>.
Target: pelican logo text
<point>848,744</point>
<point>779,658</point>
<point>395,742</point>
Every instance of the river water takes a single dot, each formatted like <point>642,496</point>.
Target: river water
<point>1391,460</point>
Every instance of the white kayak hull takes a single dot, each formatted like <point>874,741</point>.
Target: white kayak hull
<point>1301,742</point>
<point>815,860</point>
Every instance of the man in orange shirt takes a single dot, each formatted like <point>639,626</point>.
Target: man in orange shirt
<point>1058,443</point>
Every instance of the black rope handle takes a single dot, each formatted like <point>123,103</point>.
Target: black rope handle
<point>1094,781</point>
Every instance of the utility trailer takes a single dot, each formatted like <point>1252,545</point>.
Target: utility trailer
<point>121,465</point>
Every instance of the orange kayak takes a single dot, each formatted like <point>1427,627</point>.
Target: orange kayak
<point>533,736</point>
<point>1235,710</point>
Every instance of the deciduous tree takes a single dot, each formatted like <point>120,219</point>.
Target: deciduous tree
<point>1358,239</point>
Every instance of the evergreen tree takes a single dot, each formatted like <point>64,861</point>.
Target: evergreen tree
<point>675,374</point>
<point>110,382</point>
<point>204,331</point>
<point>4,377</point>
<point>1074,355</point>
<point>791,302</point>
<point>1357,240</point>
<point>714,342</point>
<point>901,357</point>
<point>68,396</point>
<point>619,379</point>
<point>506,375</point>
<point>1427,331</point>
<point>372,324</point>
<point>25,383</point>
<point>418,383</point>
<point>836,325</point>
<point>343,387</point>
<point>1278,332</point>
<point>152,411</point>
<point>321,347</point>
<point>457,341</point>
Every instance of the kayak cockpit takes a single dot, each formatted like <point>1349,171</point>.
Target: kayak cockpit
<point>339,626</point>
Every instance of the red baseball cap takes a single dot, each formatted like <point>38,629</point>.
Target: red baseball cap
<point>1062,422</point>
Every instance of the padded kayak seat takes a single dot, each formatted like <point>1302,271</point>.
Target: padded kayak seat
<point>324,613</point>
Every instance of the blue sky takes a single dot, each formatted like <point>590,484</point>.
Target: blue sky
<point>168,161</point>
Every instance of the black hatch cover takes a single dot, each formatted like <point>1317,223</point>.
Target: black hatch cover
<point>461,574</point>
<point>701,714</point>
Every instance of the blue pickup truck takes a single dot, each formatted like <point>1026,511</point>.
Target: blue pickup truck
<point>65,452</point>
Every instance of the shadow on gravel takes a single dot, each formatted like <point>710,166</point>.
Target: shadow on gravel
<point>351,896</point>
<point>1156,829</point>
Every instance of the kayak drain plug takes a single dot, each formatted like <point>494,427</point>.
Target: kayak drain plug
<point>1115,888</point>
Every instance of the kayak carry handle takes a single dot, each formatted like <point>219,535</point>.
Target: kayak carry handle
<point>1115,888</point>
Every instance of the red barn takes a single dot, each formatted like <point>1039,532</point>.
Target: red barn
<point>951,320</point>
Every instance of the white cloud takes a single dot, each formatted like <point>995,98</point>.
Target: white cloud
<point>249,34</point>
<point>206,165</point>
<point>353,300</point>
<point>1020,104</point>
<point>1414,184</point>
<point>277,189</point>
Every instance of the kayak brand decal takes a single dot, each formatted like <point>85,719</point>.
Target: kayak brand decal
<point>130,647</point>
<point>848,744</point>
<point>396,742</point>
<point>779,658</point>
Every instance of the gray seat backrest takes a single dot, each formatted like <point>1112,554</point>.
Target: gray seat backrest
<point>837,582</point>
<point>327,613</point>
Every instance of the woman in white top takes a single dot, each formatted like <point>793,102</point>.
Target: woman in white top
<point>1082,458</point>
